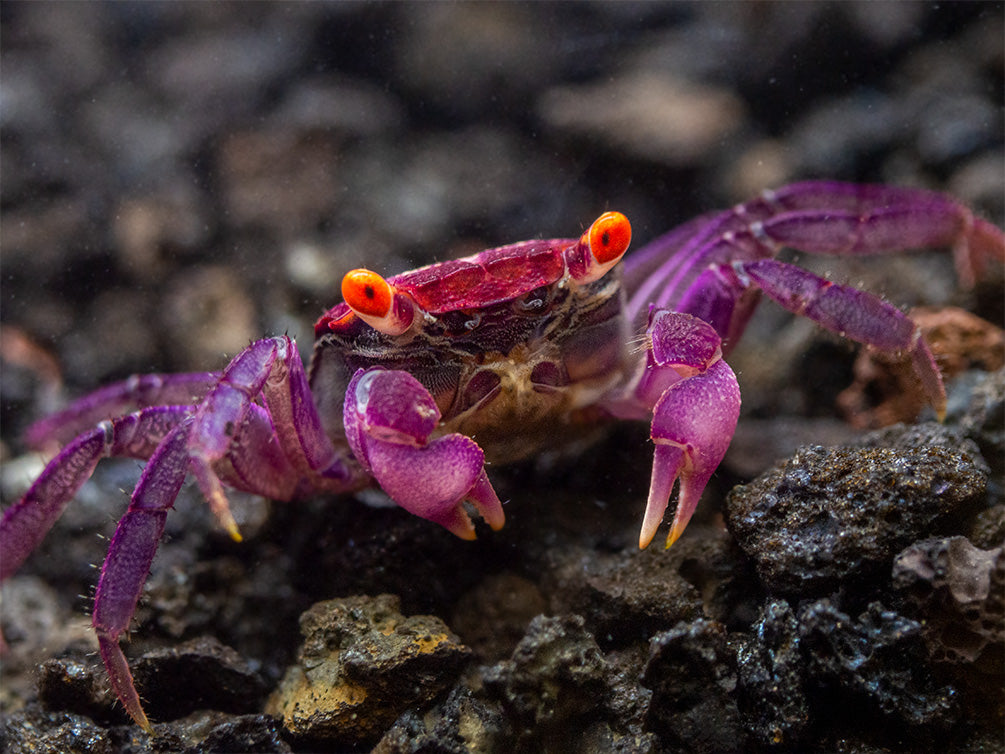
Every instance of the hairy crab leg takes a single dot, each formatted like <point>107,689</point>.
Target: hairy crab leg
<point>297,421</point>
<point>129,557</point>
<point>271,367</point>
<point>823,217</point>
<point>26,523</point>
<point>853,314</point>
<point>137,392</point>
<point>722,296</point>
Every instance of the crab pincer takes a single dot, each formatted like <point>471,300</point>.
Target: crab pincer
<point>696,404</point>
<point>389,417</point>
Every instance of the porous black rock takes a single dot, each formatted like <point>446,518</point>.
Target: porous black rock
<point>876,663</point>
<point>826,516</point>
<point>693,676</point>
<point>555,679</point>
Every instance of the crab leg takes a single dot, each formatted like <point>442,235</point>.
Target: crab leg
<point>137,392</point>
<point>853,314</point>
<point>389,417</point>
<point>271,367</point>
<point>724,295</point>
<point>129,557</point>
<point>819,217</point>
<point>26,522</point>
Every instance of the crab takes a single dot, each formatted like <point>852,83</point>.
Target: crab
<point>419,382</point>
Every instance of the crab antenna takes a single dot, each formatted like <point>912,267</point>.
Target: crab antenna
<point>377,302</point>
<point>600,247</point>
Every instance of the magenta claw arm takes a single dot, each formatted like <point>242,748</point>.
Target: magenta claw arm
<point>389,417</point>
<point>693,424</point>
<point>694,414</point>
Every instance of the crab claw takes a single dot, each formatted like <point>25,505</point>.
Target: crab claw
<point>388,418</point>
<point>693,419</point>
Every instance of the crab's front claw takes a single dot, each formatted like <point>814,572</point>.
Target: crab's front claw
<point>693,420</point>
<point>389,417</point>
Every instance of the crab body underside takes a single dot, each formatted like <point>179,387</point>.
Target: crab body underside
<point>418,381</point>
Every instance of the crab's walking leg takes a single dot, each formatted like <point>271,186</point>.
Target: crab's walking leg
<point>138,392</point>
<point>853,314</point>
<point>697,404</point>
<point>307,460</point>
<point>831,217</point>
<point>389,417</point>
<point>818,217</point>
<point>129,557</point>
<point>26,522</point>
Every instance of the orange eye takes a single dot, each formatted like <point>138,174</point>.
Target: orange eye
<point>367,293</point>
<point>609,237</point>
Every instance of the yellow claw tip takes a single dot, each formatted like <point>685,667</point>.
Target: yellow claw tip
<point>673,536</point>
<point>459,524</point>
<point>230,526</point>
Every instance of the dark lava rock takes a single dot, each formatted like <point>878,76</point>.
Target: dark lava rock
<point>199,674</point>
<point>33,731</point>
<point>828,515</point>
<point>772,679</point>
<point>261,734</point>
<point>988,529</point>
<point>627,699</point>
<point>628,596</point>
<point>624,597</point>
<point>959,592</point>
<point>461,724</point>
<point>555,680</point>
<point>692,673</point>
<point>492,617</point>
<point>877,660</point>
<point>78,683</point>
<point>361,666</point>
<point>984,421</point>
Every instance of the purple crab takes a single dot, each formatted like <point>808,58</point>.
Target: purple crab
<point>419,381</point>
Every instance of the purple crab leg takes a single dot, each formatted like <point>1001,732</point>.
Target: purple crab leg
<point>25,523</point>
<point>389,417</point>
<point>723,296</point>
<point>824,217</point>
<point>137,392</point>
<point>128,562</point>
<point>271,367</point>
<point>854,314</point>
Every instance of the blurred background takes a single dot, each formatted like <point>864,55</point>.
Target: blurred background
<point>181,178</point>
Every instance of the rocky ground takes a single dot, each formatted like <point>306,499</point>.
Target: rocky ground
<point>179,179</point>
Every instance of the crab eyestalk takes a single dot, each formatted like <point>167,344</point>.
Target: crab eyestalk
<point>377,302</point>
<point>599,248</point>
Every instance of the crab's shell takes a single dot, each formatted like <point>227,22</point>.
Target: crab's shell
<point>511,350</point>
<point>487,278</point>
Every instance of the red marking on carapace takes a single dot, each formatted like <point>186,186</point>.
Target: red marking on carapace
<point>490,277</point>
<point>487,278</point>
